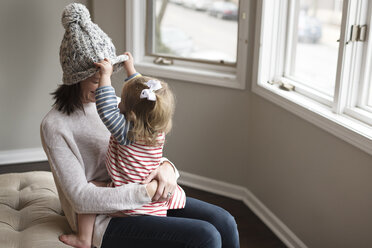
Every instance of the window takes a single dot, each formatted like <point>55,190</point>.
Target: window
<point>314,47</point>
<point>201,41</point>
<point>193,30</point>
<point>314,58</point>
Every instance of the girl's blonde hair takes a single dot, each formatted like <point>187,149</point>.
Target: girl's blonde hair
<point>149,118</point>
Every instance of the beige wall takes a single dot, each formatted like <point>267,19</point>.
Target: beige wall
<point>30,35</point>
<point>315,183</point>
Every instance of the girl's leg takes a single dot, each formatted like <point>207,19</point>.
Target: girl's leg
<point>164,232</point>
<point>217,216</point>
<point>85,232</point>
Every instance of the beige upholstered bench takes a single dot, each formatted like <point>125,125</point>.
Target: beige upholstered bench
<point>30,211</point>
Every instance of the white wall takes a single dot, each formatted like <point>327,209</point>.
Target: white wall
<point>316,184</point>
<point>30,35</point>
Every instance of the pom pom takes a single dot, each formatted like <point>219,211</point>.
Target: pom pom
<point>75,13</point>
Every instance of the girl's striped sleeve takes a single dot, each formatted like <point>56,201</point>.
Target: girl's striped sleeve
<point>108,111</point>
<point>133,76</point>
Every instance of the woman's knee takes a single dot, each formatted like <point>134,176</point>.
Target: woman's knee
<point>207,236</point>
<point>229,221</point>
<point>222,219</point>
<point>226,225</point>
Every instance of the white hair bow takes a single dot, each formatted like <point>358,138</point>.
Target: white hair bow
<point>153,85</point>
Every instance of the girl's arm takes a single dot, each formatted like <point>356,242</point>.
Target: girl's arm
<point>129,66</point>
<point>108,111</point>
<point>107,106</point>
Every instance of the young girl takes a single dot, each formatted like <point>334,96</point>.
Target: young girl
<point>138,127</point>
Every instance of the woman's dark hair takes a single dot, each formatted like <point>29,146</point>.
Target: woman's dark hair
<point>68,98</point>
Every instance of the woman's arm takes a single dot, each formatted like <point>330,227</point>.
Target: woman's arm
<point>86,197</point>
<point>70,177</point>
<point>151,187</point>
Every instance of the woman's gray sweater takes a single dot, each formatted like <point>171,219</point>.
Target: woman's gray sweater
<point>76,147</point>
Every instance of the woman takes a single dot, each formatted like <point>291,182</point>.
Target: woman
<point>75,141</point>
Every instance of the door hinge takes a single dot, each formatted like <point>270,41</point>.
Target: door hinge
<point>358,33</point>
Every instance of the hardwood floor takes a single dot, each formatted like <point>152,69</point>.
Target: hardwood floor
<point>253,233</point>
<point>36,166</point>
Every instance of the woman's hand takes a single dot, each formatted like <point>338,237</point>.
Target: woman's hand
<point>129,65</point>
<point>166,180</point>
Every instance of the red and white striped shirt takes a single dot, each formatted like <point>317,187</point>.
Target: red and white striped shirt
<point>132,164</point>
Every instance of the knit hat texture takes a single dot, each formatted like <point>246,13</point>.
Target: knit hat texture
<point>83,44</point>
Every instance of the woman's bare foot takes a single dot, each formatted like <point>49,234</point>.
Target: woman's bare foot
<point>74,241</point>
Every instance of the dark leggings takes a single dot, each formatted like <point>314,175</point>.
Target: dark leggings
<point>199,224</point>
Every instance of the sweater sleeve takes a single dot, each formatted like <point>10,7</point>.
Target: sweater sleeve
<point>107,108</point>
<point>85,197</point>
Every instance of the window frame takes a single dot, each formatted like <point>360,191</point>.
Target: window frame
<point>340,116</point>
<point>196,71</point>
<point>358,103</point>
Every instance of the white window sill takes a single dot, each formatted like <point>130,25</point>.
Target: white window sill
<point>344,127</point>
<point>204,75</point>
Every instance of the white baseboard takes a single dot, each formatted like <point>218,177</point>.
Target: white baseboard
<point>240,193</point>
<point>22,156</point>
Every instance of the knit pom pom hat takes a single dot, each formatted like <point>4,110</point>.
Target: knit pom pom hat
<point>83,44</point>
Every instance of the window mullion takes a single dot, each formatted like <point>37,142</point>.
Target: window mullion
<point>364,89</point>
<point>150,27</point>
<point>344,57</point>
<point>281,44</point>
<point>273,19</point>
<point>135,27</point>
<point>358,47</point>
<point>274,40</point>
<point>243,36</point>
<point>293,9</point>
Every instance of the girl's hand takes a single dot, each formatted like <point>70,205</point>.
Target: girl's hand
<point>129,65</point>
<point>106,69</point>
<point>105,66</point>
<point>166,179</point>
<point>151,188</point>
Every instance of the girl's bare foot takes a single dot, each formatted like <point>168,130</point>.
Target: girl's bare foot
<point>74,241</point>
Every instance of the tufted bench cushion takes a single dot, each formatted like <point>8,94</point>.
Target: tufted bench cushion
<point>30,211</point>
